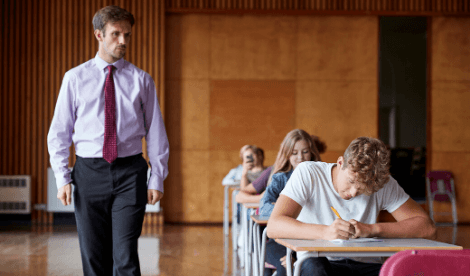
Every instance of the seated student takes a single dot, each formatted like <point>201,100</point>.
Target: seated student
<point>254,192</point>
<point>297,147</point>
<point>251,168</point>
<point>358,185</point>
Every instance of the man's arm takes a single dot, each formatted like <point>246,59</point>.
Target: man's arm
<point>158,148</point>
<point>59,138</point>
<point>283,224</point>
<point>412,222</point>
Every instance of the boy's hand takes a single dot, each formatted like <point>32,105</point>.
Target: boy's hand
<point>362,230</point>
<point>339,229</point>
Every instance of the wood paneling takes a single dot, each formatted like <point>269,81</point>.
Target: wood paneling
<point>450,114</point>
<point>323,7</point>
<point>253,47</point>
<point>250,112</point>
<point>450,86</point>
<point>337,111</point>
<point>267,75</point>
<point>41,40</point>
<point>337,48</point>
<point>451,54</point>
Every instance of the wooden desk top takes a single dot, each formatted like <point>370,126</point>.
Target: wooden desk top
<point>250,205</point>
<point>386,245</point>
<point>261,220</point>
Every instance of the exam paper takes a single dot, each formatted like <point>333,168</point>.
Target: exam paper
<point>358,240</point>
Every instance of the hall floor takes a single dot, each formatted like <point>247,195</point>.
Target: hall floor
<point>169,250</point>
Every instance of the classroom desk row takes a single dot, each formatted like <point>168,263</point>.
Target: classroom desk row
<point>255,244</point>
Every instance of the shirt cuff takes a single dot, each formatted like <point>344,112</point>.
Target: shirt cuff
<point>155,183</point>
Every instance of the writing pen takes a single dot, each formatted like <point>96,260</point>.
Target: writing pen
<point>336,212</point>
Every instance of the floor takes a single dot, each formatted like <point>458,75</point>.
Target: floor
<point>167,250</point>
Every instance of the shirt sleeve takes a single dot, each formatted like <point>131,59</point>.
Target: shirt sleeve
<point>158,148</point>
<point>59,138</point>
<point>272,193</point>
<point>392,196</point>
<point>262,181</point>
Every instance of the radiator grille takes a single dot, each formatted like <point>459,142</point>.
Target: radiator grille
<point>15,194</point>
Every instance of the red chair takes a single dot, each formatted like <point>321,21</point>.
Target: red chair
<point>440,187</point>
<point>428,262</point>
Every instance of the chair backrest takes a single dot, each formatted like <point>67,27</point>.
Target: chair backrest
<point>427,262</point>
<point>440,185</point>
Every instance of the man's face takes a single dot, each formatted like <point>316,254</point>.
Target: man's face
<point>114,43</point>
<point>346,184</point>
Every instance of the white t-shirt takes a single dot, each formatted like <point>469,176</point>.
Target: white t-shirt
<point>311,186</point>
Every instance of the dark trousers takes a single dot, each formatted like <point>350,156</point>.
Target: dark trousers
<point>322,267</point>
<point>274,253</point>
<point>110,204</point>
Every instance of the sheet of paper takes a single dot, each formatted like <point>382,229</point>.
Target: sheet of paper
<point>358,240</point>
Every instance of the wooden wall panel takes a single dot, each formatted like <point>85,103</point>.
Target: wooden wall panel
<point>451,54</point>
<point>450,94</point>
<point>41,40</point>
<point>253,47</point>
<point>337,111</point>
<point>250,112</point>
<point>257,93</point>
<point>323,7</point>
<point>450,113</point>
<point>337,48</point>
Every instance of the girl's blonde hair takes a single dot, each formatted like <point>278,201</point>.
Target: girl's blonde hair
<point>282,163</point>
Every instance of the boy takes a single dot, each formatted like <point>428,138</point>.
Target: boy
<point>358,186</point>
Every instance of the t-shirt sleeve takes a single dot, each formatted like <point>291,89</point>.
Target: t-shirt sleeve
<point>262,181</point>
<point>392,196</point>
<point>300,186</point>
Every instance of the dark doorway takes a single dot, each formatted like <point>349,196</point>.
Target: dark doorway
<point>402,86</point>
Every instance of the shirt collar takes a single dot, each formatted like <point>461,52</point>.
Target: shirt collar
<point>103,64</point>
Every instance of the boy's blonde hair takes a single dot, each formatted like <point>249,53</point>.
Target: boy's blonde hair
<point>370,159</point>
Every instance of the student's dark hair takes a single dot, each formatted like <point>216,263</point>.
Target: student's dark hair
<point>111,14</point>
<point>370,159</point>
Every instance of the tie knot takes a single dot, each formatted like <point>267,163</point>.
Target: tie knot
<point>110,68</point>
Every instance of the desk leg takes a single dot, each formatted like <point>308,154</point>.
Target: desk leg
<point>289,261</point>
<point>247,247</point>
<point>256,248</point>
<point>234,232</point>
<point>226,203</point>
<point>263,251</point>
<point>300,260</point>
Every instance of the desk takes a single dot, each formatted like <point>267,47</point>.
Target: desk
<point>247,227</point>
<point>259,248</point>
<point>386,248</point>
<point>226,203</point>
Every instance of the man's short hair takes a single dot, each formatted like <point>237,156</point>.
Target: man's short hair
<point>370,159</point>
<point>111,14</point>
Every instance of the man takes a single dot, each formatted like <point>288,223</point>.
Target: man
<point>106,106</point>
<point>358,186</point>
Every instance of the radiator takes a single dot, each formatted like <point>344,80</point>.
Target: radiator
<point>15,194</point>
<point>54,205</point>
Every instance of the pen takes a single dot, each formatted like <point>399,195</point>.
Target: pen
<point>336,212</point>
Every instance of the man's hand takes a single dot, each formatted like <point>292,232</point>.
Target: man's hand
<point>362,230</point>
<point>153,196</point>
<point>339,229</point>
<point>65,194</point>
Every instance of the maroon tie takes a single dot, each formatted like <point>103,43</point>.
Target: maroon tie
<point>109,145</point>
